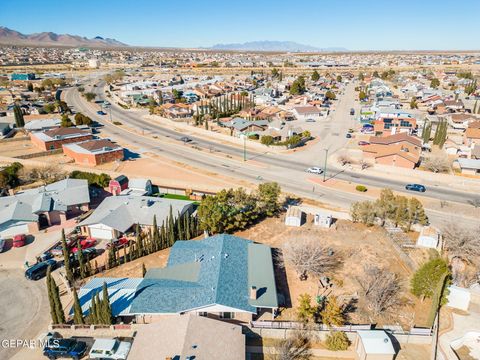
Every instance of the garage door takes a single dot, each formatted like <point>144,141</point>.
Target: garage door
<point>14,230</point>
<point>101,233</point>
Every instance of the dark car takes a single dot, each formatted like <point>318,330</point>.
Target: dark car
<point>100,112</point>
<point>352,111</point>
<point>185,139</point>
<point>348,136</point>
<point>65,348</point>
<point>415,187</point>
<point>39,270</point>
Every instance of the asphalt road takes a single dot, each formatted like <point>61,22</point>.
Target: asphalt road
<point>288,171</point>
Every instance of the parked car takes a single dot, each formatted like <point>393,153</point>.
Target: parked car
<point>39,270</point>
<point>100,112</point>
<point>416,187</point>
<point>19,240</point>
<point>351,131</point>
<point>113,349</point>
<point>185,139</point>
<point>2,244</point>
<point>310,120</point>
<point>363,143</point>
<point>65,348</point>
<point>352,111</point>
<point>117,243</point>
<point>314,170</point>
<point>85,244</point>
<point>348,136</point>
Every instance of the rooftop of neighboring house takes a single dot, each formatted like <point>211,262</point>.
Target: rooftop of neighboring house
<point>95,146</point>
<point>396,138</point>
<point>307,109</point>
<point>460,118</point>
<point>123,211</point>
<point>398,149</point>
<point>220,271</point>
<point>473,164</point>
<point>27,204</point>
<point>61,133</point>
<point>40,124</point>
<point>472,133</point>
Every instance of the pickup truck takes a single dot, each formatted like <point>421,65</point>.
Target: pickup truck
<point>111,349</point>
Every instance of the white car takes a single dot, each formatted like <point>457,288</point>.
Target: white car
<point>113,349</point>
<point>314,170</point>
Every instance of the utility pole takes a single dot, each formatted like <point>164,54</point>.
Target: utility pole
<point>325,166</point>
<point>244,147</point>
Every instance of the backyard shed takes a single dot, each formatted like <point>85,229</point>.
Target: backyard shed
<point>458,298</point>
<point>373,344</point>
<point>323,220</point>
<point>429,237</point>
<point>294,216</point>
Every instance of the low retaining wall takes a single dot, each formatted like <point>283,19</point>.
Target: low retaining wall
<point>40,154</point>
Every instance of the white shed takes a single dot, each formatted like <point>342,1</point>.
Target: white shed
<point>458,298</point>
<point>373,344</point>
<point>429,237</point>
<point>294,216</point>
<point>323,220</point>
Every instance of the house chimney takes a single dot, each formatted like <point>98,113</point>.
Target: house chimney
<point>253,293</point>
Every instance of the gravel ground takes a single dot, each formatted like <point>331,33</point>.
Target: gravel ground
<point>24,308</point>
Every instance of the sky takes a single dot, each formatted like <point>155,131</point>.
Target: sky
<point>351,24</point>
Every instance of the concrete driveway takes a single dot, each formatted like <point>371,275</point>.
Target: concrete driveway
<point>25,310</point>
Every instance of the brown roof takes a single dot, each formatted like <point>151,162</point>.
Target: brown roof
<point>461,117</point>
<point>307,109</point>
<point>472,133</point>
<point>474,125</point>
<point>62,131</point>
<point>382,151</point>
<point>92,145</point>
<point>396,138</point>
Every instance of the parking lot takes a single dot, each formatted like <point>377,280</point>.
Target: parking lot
<point>25,310</point>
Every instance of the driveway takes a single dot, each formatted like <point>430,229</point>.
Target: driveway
<point>25,309</point>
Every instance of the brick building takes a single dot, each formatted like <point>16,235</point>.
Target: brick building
<point>94,152</point>
<point>55,138</point>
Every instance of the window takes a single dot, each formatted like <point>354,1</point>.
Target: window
<point>52,147</point>
<point>227,315</point>
<point>203,313</point>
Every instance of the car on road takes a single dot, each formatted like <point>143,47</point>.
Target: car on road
<point>351,131</point>
<point>310,120</point>
<point>111,349</point>
<point>118,243</point>
<point>352,111</point>
<point>19,240</point>
<point>348,136</point>
<point>85,244</point>
<point>185,139</point>
<point>39,270</point>
<point>2,244</point>
<point>100,112</point>
<point>65,348</point>
<point>314,170</point>
<point>363,143</point>
<point>106,103</point>
<point>415,187</point>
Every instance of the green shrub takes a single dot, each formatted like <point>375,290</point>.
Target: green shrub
<point>337,341</point>
<point>266,140</point>
<point>361,188</point>
<point>117,123</point>
<point>100,180</point>
<point>427,279</point>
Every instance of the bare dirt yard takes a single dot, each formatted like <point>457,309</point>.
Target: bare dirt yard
<point>357,245</point>
<point>17,148</point>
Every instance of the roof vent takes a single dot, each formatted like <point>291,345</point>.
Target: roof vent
<point>253,293</point>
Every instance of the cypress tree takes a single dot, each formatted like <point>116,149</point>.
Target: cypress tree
<point>139,245</point>
<point>88,266</point>
<point>77,309</point>
<point>474,111</point>
<point>186,226</point>
<point>51,298</point>
<point>17,112</point>
<point>106,307</point>
<point>92,311</point>
<point>171,227</point>
<point>98,309</point>
<point>81,260</point>
<point>66,258</point>
<point>156,233</point>
<point>60,316</point>
<point>144,270</point>
<point>179,228</point>
<point>163,237</point>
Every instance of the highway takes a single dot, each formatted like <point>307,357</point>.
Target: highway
<point>287,170</point>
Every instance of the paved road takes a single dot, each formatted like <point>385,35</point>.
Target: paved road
<point>288,171</point>
<point>24,308</point>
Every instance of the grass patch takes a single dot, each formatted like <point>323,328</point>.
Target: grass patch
<point>176,197</point>
<point>117,123</point>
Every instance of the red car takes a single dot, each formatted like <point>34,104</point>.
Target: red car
<point>19,240</point>
<point>363,143</point>
<point>118,243</point>
<point>85,244</point>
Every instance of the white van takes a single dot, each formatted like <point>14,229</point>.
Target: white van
<point>110,349</point>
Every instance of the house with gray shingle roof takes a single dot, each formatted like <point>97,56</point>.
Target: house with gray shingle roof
<point>117,215</point>
<point>222,276</point>
<point>30,210</point>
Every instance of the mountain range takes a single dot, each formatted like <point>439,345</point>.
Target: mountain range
<point>12,37</point>
<point>286,46</point>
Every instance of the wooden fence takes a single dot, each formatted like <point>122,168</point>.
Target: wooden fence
<point>40,154</point>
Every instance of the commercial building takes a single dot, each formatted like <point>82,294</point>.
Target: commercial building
<point>93,152</point>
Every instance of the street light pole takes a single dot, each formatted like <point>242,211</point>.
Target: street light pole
<point>325,166</point>
<point>244,148</point>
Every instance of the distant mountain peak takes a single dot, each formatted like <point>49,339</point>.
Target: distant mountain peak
<point>269,45</point>
<point>13,37</point>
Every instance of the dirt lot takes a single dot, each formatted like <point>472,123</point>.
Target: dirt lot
<point>17,148</point>
<point>357,245</point>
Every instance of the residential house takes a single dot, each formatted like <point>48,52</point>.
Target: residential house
<point>471,135</point>
<point>307,112</point>
<point>176,111</point>
<point>42,125</point>
<point>117,215</point>
<point>188,337</point>
<point>94,152</point>
<point>460,121</point>
<point>55,138</point>
<point>469,166</point>
<point>30,210</point>
<point>388,125</point>
<point>221,277</point>
<point>241,126</point>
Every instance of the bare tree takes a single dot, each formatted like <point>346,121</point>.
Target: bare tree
<point>365,164</point>
<point>380,288</point>
<point>438,162</point>
<point>46,174</point>
<point>294,347</point>
<point>462,242</point>
<point>345,159</point>
<point>308,256</point>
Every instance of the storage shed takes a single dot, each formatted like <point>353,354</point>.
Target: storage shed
<point>323,220</point>
<point>294,216</point>
<point>373,344</point>
<point>429,237</point>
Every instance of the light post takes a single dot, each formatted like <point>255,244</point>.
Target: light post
<point>244,147</point>
<point>325,166</point>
